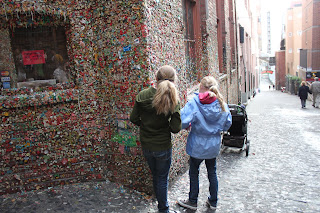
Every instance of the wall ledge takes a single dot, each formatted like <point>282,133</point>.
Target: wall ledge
<point>39,98</point>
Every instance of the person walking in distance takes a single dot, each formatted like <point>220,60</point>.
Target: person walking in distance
<point>207,115</point>
<point>157,112</point>
<point>315,89</point>
<point>303,93</point>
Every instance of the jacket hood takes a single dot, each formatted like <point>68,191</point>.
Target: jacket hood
<point>208,110</point>
<point>205,98</point>
<point>145,97</point>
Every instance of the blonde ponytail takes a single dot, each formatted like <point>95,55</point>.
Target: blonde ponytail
<point>211,85</point>
<point>215,90</point>
<point>166,98</point>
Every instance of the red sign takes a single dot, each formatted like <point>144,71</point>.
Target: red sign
<point>33,57</point>
<point>267,71</point>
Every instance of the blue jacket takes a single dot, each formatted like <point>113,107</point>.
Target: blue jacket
<point>207,122</point>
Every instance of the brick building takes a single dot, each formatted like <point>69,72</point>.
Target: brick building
<point>310,52</point>
<point>293,38</point>
<point>280,70</point>
<point>72,69</point>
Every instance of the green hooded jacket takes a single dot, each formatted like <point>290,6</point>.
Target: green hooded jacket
<point>155,130</point>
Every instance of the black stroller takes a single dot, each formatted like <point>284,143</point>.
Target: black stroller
<point>236,136</point>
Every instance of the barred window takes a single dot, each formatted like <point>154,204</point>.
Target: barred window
<point>40,55</point>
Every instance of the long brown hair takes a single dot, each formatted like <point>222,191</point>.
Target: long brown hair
<point>166,98</point>
<point>211,84</point>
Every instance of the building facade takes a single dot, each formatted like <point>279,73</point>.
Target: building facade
<point>248,47</point>
<point>293,38</point>
<point>310,52</point>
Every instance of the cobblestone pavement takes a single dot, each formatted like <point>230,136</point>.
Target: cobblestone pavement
<point>281,173</point>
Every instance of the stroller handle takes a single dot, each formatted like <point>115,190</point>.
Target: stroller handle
<point>238,110</point>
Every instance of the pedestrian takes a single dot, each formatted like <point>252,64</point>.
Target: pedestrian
<point>269,87</point>
<point>303,93</point>
<point>315,89</point>
<point>273,87</point>
<point>157,112</point>
<point>207,115</point>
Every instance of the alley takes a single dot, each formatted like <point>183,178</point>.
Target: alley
<point>281,173</point>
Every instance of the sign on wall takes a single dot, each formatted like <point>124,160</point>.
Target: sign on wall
<point>33,57</point>
<point>4,73</point>
<point>267,71</point>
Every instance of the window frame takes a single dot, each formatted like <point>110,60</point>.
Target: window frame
<point>14,97</point>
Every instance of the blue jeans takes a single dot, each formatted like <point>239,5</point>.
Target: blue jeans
<point>159,163</point>
<point>303,102</point>
<point>194,180</point>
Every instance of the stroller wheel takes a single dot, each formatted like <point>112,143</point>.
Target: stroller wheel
<point>247,148</point>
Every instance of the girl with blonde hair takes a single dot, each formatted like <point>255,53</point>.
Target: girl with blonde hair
<point>208,115</point>
<point>157,112</point>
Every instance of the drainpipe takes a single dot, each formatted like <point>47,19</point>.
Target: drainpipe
<point>237,55</point>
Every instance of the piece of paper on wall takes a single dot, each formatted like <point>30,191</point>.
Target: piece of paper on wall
<point>33,57</point>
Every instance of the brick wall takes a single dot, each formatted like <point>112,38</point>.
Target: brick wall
<point>81,131</point>
<point>280,69</point>
<point>311,31</point>
<point>316,36</point>
<point>212,40</point>
<point>70,134</point>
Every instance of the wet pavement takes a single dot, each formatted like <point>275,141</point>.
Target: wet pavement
<point>281,173</point>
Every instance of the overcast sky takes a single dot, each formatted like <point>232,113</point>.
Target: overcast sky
<point>277,10</point>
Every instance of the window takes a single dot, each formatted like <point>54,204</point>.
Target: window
<point>299,33</point>
<point>290,34</point>
<point>306,12</point>
<point>40,55</point>
<point>290,50</point>
<point>189,36</point>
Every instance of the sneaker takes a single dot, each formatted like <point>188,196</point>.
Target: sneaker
<point>188,204</point>
<point>211,206</point>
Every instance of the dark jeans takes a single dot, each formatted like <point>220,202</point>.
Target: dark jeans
<point>159,163</point>
<point>194,180</point>
<point>303,102</point>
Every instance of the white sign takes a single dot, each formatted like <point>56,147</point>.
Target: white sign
<point>3,79</point>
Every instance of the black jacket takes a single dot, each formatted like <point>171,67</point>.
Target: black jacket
<point>303,92</point>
